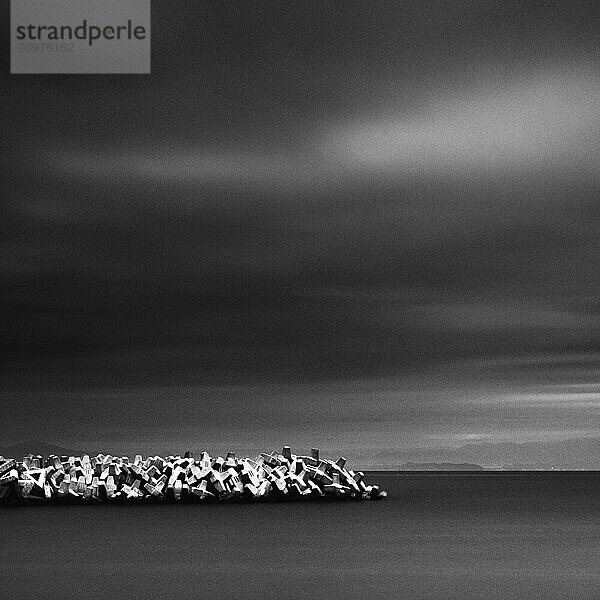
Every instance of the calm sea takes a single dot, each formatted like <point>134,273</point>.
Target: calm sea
<point>437,536</point>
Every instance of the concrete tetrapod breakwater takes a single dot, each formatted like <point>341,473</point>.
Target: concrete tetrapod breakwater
<point>106,478</point>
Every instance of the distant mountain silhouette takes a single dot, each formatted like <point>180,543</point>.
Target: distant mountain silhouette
<point>412,466</point>
<point>571,454</point>
<point>36,447</point>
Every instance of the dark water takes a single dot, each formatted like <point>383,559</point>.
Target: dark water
<point>438,536</point>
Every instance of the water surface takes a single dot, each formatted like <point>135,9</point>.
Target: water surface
<point>437,536</point>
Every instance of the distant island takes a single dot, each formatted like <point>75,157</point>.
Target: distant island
<point>573,454</point>
<point>414,466</point>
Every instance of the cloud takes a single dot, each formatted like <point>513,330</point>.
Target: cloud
<point>546,120</point>
<point>188,166</point>
<point>497,314</point>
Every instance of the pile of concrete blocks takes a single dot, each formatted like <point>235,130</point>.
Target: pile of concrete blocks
<point>106,478</point>
<point>10,492</point>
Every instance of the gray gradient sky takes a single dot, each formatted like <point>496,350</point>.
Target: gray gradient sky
<point>363,225</point>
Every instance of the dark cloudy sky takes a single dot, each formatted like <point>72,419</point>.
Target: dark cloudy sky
<point>359,224</point>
